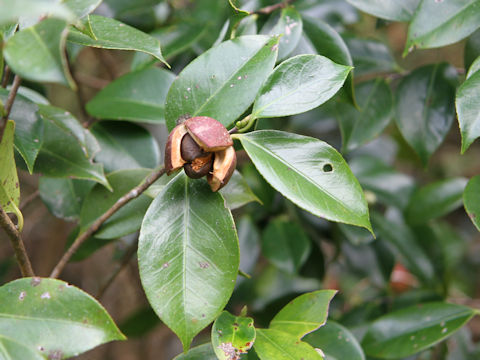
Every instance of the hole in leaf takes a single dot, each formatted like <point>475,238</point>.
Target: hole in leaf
<point>327,168</point>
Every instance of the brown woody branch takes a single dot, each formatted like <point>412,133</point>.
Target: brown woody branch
<point>269,9</point>
<point>132,194</point>
<point>17,244</point>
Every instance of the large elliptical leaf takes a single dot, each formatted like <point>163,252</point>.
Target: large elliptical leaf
<point>28,127</point>
<point>396,10</point>
<point>299,84</point>
<point>358,126</point>
<point>425,108</point>
<point>408,331</point>
<point>109,33</point>
<point>440,23</point>
<point>467,102</point>
<point>188,256</point>
<point>136,96</point>
<point>471,200</point>
<point>304,314</point>
<point>310,173</point>
<point>222,82</point>
<point>52,319</point>
<point>37,53</point>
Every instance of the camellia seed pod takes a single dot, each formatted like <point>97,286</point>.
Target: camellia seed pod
<point>203,147</point>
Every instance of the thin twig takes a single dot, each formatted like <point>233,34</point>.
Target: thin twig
<point>9,103</point>
<point>17,244</point>
<point>269,9</point>
<point>6,75</point>
<point>29,199</point>
<point>132,194</point>
<point>127,256</point>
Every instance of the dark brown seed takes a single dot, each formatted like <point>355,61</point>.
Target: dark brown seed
<point>199,167</point>
<point>190,149</point>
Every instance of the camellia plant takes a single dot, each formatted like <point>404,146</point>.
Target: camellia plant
<point>247,223</point>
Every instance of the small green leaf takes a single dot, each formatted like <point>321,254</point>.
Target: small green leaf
<point>388,9</point>
<point>188,256</point>
<point>64,197</point>
<point>359,126</point>
<point>67,149</point>
<point>125,146</point>
<point>13,10</point>
<point>278,345</point>
<point>44,315</point>
<point>37,53</point>
<point>285,245</point>
<point>408,331</point>
<point>237,192</point>
<point>403,239</point>
<point>370,56</point>
<point>471,200</point>
<point>136,96</point>
<point>288,24</point>
<point>336,342</point>
<point>28,128</point>
<point>310,173</point>
<point>222,82</point>
<point>468,107</point>
<point>202,352</point>
<point>112,34</point>
<point>299,84</point>
<point>440,23</point>
<point>126,220</point>
<point>9,186</point>
<point>425,108</point>
<point>435,200</point>
<point>304,314</point>
<point>232,335</point>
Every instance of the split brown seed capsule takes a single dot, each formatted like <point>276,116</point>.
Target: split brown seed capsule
<point>202,146</point>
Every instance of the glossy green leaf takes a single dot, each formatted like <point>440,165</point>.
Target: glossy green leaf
<point>188,256</point>
<point>237,192</point>
<point>9,185</point>
<point>425,108</point>
<point>81,8</point>
<point>125,146</point>
<point>395,10</point>
<point>468,107</point>
<point>126,220</point>
<point>375,103</point>
<point>304,314</point>
<point>273,344</point>
<point>136,96</point>
<point>435,200</point>
<point>175,39</point>
<point>12,10</point>
<point>403,239</point>
<point>336,342</point>
<point>285,245</point>
<point>370,56</point>
<point>232,335</point>
<point>222,82</point>
<point>52,319</point>
<point>287,23</point>
<point>310,173</point>
<point>67,149</point>
<point>389,186</point>
<point>326,41</point>
<point>32,95</point>
<point>64,197</point>
<point>202,352</point>
<point>408,331</point>
<point>28,128</point>
<point>299,84</point>
<point>471,200</point>
<point>440,23</point>
<point>112,34</point>
<point>473,68</point>
<point>11,349</point>
<point>37,53</point>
